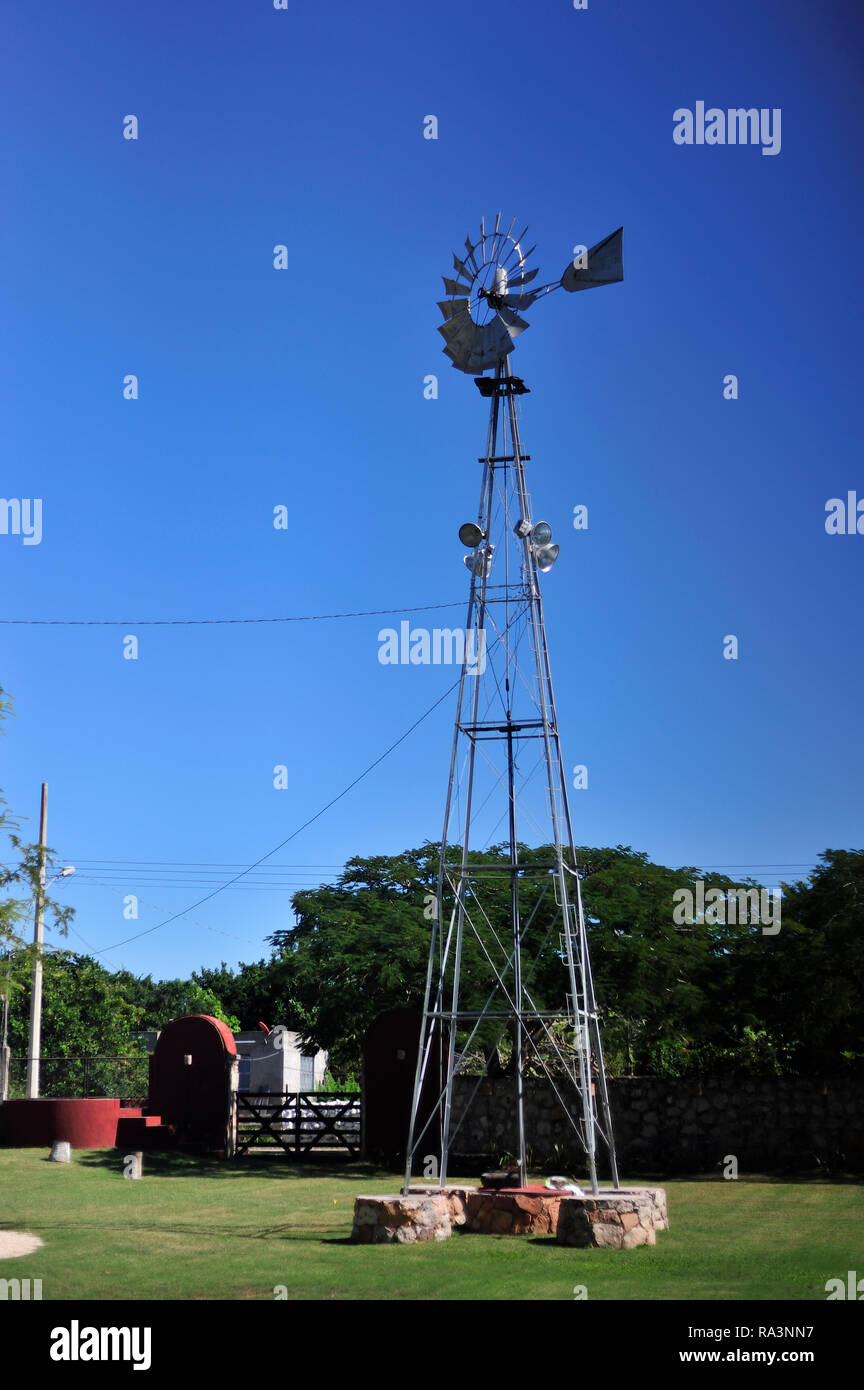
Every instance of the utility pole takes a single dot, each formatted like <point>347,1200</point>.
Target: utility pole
<point>4,1048</point>
<point>35,1043</point>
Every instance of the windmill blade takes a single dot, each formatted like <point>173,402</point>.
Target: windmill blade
<point>454,328</point>
<point>454,287</point>
<point>460,333</point>
<point>523,278</point>
<point>480,358</point>
<point>453,308</point>
<point>514,324</point>
<point>496,341</point>
<point>450,331</point>
<point>605,265</point>
<point>522,256</point>
<point>463,349</point>
<point>519,302</point>
<point>464,342</point>
<point>462,269</point>
<point>520,238</point>
<point>498,239</point>
<point>471,248</point>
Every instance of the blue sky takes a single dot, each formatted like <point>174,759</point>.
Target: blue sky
<point>304,387</point>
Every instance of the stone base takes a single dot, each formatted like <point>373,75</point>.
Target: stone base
<point>514,1211</point>
<point>613,1220</point>
<point>457,1200</point>
<point>400,1219</point>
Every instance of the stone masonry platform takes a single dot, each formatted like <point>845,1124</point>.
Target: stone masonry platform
<point>613,1220</point>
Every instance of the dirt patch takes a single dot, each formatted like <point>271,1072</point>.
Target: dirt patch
<point>14,1243</point>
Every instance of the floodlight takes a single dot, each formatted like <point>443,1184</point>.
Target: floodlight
<point>546,555</point>
<point>542,533</point>
<point>471,535</point>
<point>480,562</point>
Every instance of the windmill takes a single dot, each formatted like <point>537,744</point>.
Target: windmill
<point>508,962</point>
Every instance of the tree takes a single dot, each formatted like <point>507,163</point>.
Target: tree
<point>255,993</point>
<point>158,1001</point>
<point>358,948</point>
<point>675,998</point>
<point>83,1009</point>
<point>809,986</point>
<point>664,989</point>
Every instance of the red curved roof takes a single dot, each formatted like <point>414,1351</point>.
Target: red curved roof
<point>224,1030</point>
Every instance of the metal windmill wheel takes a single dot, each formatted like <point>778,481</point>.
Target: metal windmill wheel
<point>484,311</point>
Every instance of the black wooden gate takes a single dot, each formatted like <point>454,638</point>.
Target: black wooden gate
<point>299,1122</point>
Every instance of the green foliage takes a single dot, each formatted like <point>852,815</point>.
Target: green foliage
<point>255,993</point>
<point>158,1001</point>
<point>83,1009</point>
<point>332,1084</point>
<point>675,999</point>
<point>358,949</point>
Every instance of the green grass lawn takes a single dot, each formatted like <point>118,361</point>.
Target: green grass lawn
<point>202,1230</point>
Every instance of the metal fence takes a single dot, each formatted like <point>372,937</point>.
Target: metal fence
<point>59,1077</point>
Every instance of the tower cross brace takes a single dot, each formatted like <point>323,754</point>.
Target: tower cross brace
<point>491,969</point>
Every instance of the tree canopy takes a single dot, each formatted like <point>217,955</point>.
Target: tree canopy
<point>674,998</point>
<point>676,995</point>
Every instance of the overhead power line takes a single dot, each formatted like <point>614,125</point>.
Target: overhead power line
<point>199,863</point>
<point>211,622</point>
<point>332,802</point>
<point>96,865</point>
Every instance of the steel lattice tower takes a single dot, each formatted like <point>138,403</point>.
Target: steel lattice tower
<point>509,946</point>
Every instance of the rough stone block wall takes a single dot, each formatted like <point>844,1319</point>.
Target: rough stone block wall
<point>675,1125</point>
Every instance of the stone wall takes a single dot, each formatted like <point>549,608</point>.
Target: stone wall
<point>672,1125</point>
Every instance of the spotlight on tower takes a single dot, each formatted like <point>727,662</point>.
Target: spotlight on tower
<point>540,536</point>
<point>480,562</point>
<point>471,535</point>
<point>546,555</point>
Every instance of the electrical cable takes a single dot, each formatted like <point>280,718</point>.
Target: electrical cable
<point>209,622</point>
<point>288,838</point>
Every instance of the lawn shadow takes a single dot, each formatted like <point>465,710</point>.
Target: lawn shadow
<point>803,1177</point>
<point>179,1164</point>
